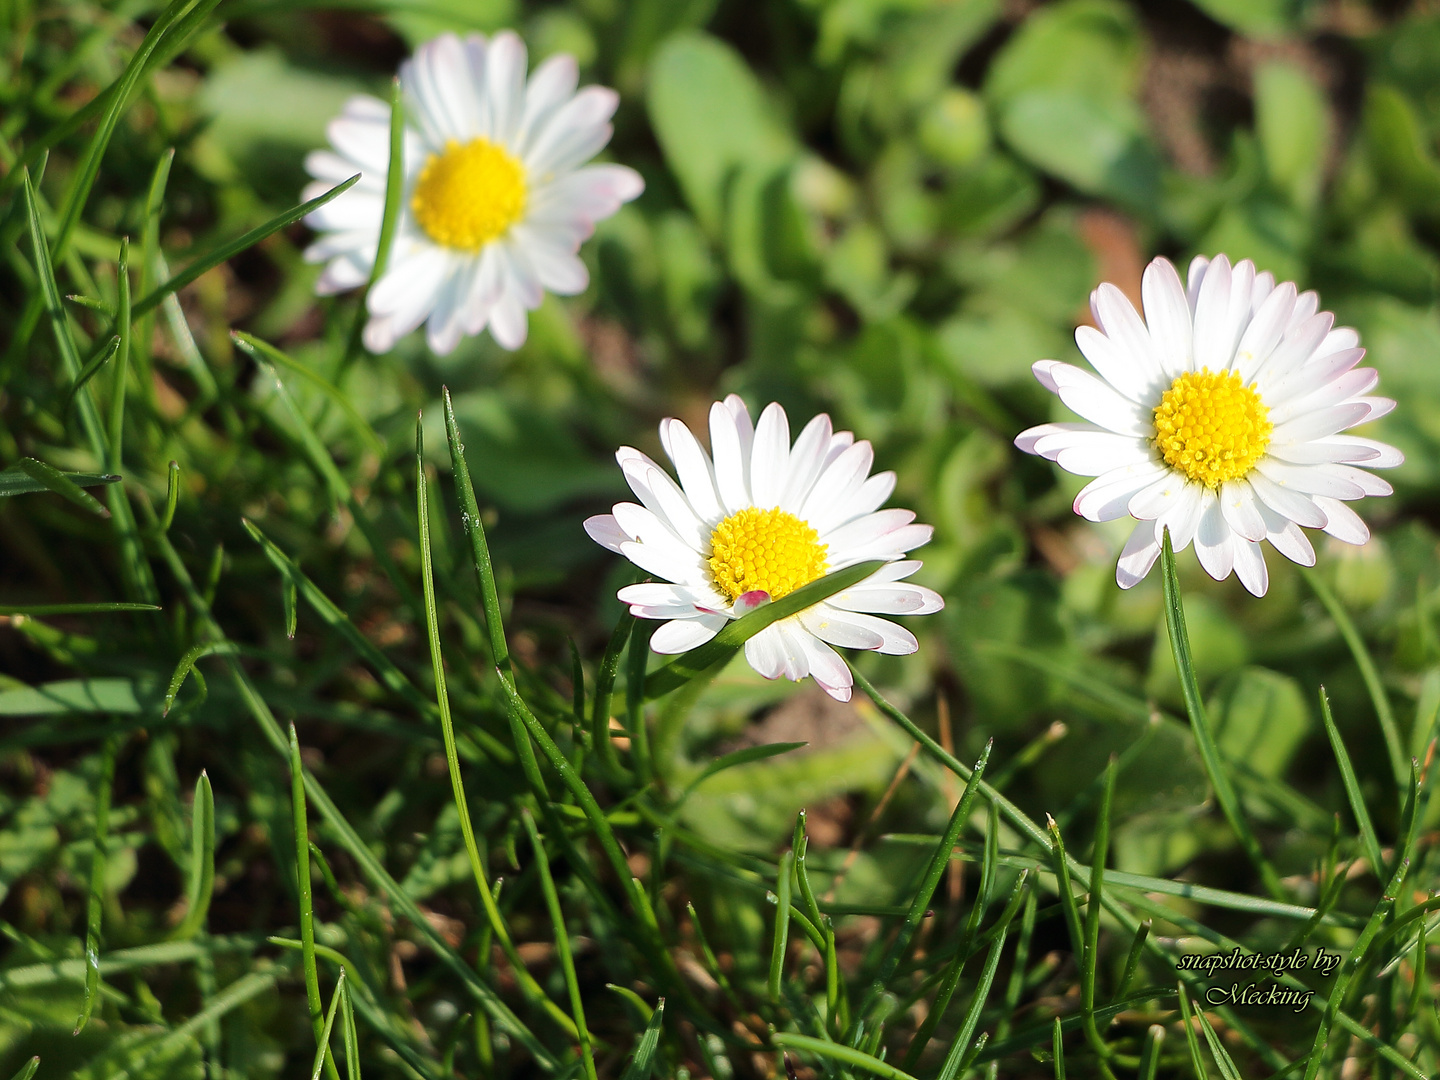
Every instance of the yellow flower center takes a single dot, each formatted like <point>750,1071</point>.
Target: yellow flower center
<point>469,195</point>
<point>769,550</point>
<point>1212,427</point>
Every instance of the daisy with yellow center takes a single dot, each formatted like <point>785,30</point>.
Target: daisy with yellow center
<point>496,200</point>
<point>1220,416</point>
<point>755,522</point>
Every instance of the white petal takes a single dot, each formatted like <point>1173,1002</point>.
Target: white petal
<point>1167,314</point>
<point>505,65</point>
<point>551,85</point>
<point>1238,505</point>
<point>1213,543</point>
<point>1194,278</point>
<point>1387,456</point>
<point>1368,483</point>
<point>832,625</point>
<point>731,459</point>
<point>682,635</point>
<point>557,269</point>
<point>1325,393</point>
<point>895,640</point>
<point>829,671</point>
<point>1097,402</point>
<point>1215,331</point>
<point>1093,453</point>
<point>573,134</point>
<point>807,458</point>
<point>692,464</point>
<point>890,546</point>
<point>1028,439</point>
<point>1139,555</point>
<point>1320,423</point>
<point>1167,491</point>
<point>1044,370</point>
<point>1250,566</point>
<point>1108,497</point>
<point>889,599</point>
<point>1342,522</point>
<point>1309,479</point>
<point>1130,366</point>
<point>1280,376</point>
<point>441,103</point>
<point>865,531</point>
<point>664,561</point>
<point>1294,505</point>
<point>827,503</point>
<point>1182,518</point>
<point>770,457</point>
<point>605,531</point>
<point>1287,538</point>
<point>1264,332</point>
<point>508,323</point>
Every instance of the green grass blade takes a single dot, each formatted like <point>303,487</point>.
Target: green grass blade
<point>54,480</point>
<point>532,989</point>
<point>92,367</point>
<point>783,881</point>
<point>605,695</point>
<point>934,870</point>
<point>350,1036</point>
<point>724,645</point>
<point>121,381</point>
<point>225,252</point>
<point>389,674</point>
<point>1060,866</point>
<point>740,757</point>
<point>118,99</point>
<point>962,1049</point>
<point>28,1069</point>
<point>263,349</point>
<point>172,495</point>
<point>49,291</point>
<point>1197,1063</point>
<point>642,1063</point>
<point>72,609</point>
<point>202,860</point>
<point>1132,959</point>
<point>322,1052</point>
<point>1090,960</point>
<point>16,481</point>
<point>562,944</point>
<point>846,1055</point>
<point>479,549</point>
<point>187,664</point>
<point>1384,713</point>
<point>1200,723</point>
<point>1150,1055</point>
<point>1057,1049</point>
<point>1222,1056</point>
<point>307,906</point>
<point>95,905</point>
<point>1352,789</point>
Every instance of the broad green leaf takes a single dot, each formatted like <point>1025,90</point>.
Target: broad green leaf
<point>1400,149</point>
<point>1096,144</point>
<point>1292,123</point>
<point>1261,718</point>
<point>711,116</point>
<point>79,696</point>
<point>1088,49</point>
<point>1254,18</point>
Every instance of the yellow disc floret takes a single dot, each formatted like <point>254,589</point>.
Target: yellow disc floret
<point>469,195</point>
<point>1212,427</point>
<point>771,551</point>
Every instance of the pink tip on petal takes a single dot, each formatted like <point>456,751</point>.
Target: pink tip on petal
<point>748,602</point>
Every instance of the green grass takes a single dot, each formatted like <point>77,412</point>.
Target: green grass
<point>326,750</point>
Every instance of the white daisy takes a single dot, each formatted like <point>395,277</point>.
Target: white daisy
<point>1219,417</point>
<point>495,203</point>
<point>761,520</point>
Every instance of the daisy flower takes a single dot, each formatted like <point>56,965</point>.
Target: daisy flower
<point>759,521</point>
<point>1220,417</point>
<point>495,202</point>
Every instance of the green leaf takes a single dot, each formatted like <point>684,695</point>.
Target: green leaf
<point>640,1065</point>
<point>740,757</point>
<point>202,859</point>
<point>1261,719</point>
<point>711,116</point>
<point>77,696</point>
<point>1098,146</point>
<point>856,1059</point>
<point>72,609</point>
<point>719,649</point>
<point>1254,18</point>
<point>1293,126</point>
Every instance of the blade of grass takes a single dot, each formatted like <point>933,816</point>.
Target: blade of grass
<point>54,480</point>
<point>605,694</point>
<point>95,905</point>
<point>847,1055</point>
<point>1222,1057</point>
<point>122,362</point>
<point>98,359</point>
<point>1132,959</point>
<point>16,481</point>
<point>1200,723</point>
<point>1090,961</point>
<point>562,944</point>
<point>1384,713</point>
<point>225,252</point>
<point>530,987</point>
<point>724,645</point>
<point>350,1037</point>
<point>934,870</point>
<point>307,909</point>
<point>642,1063</point>
<point>1352,789</point>
<point>186,665</point>
<point>73,609</point>
<point>480,553</point>
<point>961,1048</point>
<point>28,1069</point>
<point>322,1052</point>
<point>783,879</point>
<point>1197,1063</point>
<point>1150,1055</point>
<point>202,860</point>
<point>1057,1049</point>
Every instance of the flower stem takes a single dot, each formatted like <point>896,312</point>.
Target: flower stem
<point>1200,723</point>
